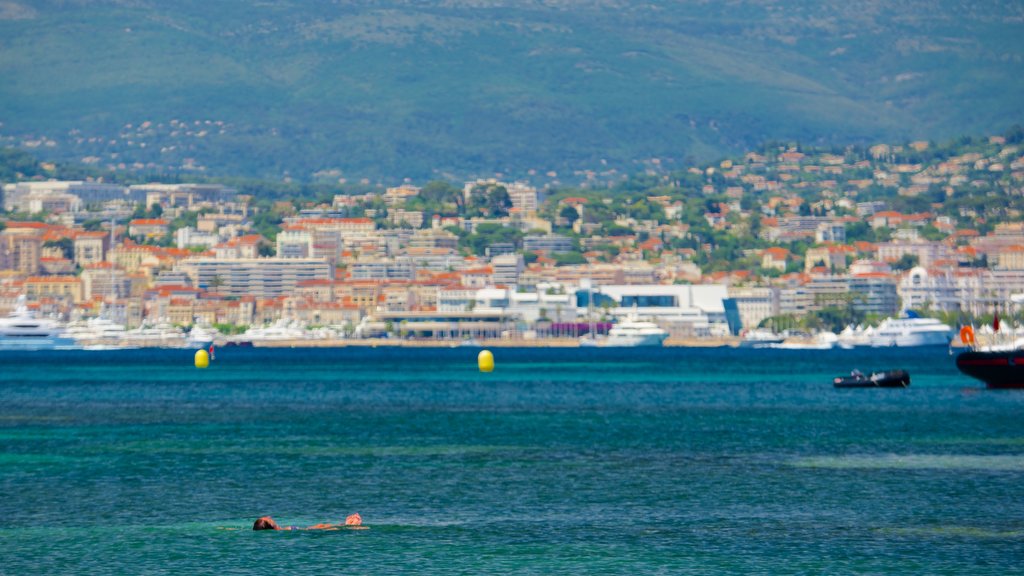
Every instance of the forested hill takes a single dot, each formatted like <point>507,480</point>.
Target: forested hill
<point>393,88</point>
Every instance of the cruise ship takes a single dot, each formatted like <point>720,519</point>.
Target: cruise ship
<point>632,332</point>
<point>21,330</point>
<point>911,330</point>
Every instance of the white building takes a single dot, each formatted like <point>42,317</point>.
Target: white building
<point>507,268</point>
<point>936,290</point>
<point>59,195</point>
<point>755,304</point>
<point>524,197</point>
<point>683,309</point>
<point>189,237</point>
<point>259,277</point>
<point>988,291</point>
<point>401,268</point>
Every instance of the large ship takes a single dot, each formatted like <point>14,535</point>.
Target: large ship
<point>999,364</point>
<point>633,332</point>
<point>911,330</point>
<point>996,368</point>
<point>21,330</point>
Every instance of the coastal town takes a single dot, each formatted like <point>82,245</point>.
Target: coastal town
<point>789,240</point>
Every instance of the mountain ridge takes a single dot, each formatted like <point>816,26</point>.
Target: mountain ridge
<point>398,88</point>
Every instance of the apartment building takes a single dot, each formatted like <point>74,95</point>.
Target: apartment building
<point>258,277</point>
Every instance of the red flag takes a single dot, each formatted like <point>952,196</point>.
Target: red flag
<point>211,351</point>
<point>995,323</point>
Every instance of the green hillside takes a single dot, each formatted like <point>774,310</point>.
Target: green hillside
<point>389,89</point>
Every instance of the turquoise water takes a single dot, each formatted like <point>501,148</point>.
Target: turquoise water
<point>591,461</point>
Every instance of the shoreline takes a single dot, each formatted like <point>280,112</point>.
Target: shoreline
<point>718,342</point>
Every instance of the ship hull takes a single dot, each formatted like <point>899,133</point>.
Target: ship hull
<point>1004,369</point>
<point>634,340</point>
<point>910,340</point>
<point>36,343</point>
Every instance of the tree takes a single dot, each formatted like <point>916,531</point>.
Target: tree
<point>906,262</point>
<point>568,258</point>
<point>487,234</point>
<point>498,202</point>
<point>570,214</point>
<point>66,245</point>
<point>437,197</point>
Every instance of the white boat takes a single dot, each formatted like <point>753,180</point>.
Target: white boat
<point>822,341</point>
<point>760,338</point>
<point>852,337</point>
<point>278,331</point>
<point>632,332</point>
<point>21,330</point>
<point>161,334</point>
<point>94,331</point>
<point>201,335</point>
<point>911,330</point>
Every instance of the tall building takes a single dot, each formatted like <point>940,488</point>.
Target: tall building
<point>506,269</point>
<point>21,247</point>
<point>258,277</point>
<point>755,304</point>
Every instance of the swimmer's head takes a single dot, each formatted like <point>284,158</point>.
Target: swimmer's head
<point>354,520</point>
<point>265,523</point>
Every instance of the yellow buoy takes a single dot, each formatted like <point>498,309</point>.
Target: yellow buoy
<point>485,360</point>
<point>202,358</point>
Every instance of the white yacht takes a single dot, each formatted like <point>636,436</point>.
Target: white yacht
<point>825,340</point>
<point>162,335</point>
<point>633,332</point>
<point>21,330</point>
<point>853,337</point>
<point>202,335</point>
<point>96,331</point>
<point>761,338</point>
<point>911,330</point>
<point>278,331</point>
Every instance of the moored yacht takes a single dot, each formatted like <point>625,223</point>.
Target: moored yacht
<point>202,335</point>
<point>761,338</point>
<point>911,330</point>
<point>21,330</point>
<point>852,337</point>
<point>161,335</point>
<point>282,330</point>
<point>821,341</point>
<point>633,332</point>
<point>1000,364</point>
<point>96,331</point>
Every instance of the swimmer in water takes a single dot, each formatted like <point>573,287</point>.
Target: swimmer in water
<point>352,522</point>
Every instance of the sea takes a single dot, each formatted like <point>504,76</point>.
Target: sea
<point>560,461</point>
